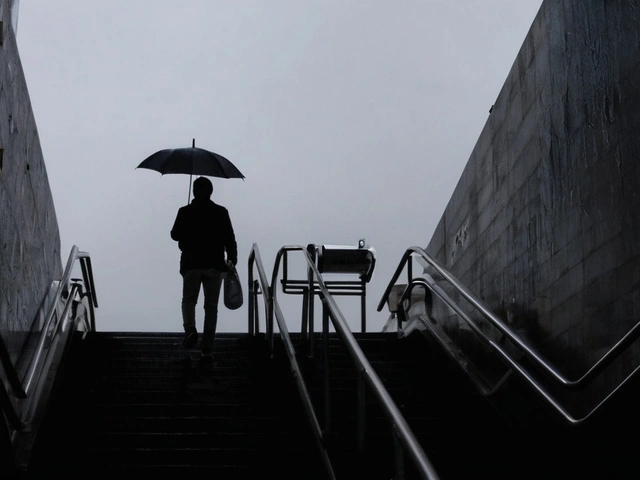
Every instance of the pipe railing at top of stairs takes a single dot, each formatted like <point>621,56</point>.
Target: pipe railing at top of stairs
<point>262,286</point>
<point>479,305</point>
<point>404,436</point>
<point>68,289</point>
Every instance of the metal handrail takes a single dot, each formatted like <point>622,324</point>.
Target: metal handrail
<point>604,361</point>
<point>62,290</point>
<point>255,260</point>
<point>430,284</point>
<point>391,411</point>
<point>68,288</point>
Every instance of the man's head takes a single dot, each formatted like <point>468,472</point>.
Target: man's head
<point>202,188</point>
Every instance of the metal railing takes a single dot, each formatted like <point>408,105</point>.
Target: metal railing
<point>540,362</point>
<point>262,286</point>
<point>68,290</point>
<point>404,437</point>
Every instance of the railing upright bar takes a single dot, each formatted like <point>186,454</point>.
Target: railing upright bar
<point>326,382</point>
<point>251,307</point>
<point>304,327</point>
<point>87,275</point>
<point>255,327</point>
<point>363,308</point>
<point>94,295</point>
<point>251,295</point>
<point>310,309</point>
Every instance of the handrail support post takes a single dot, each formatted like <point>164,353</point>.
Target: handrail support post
<point>252,294</point>
<point>310,313</point>
<point>363,307</point>
<point>304,329</point>
<point>325,368</point>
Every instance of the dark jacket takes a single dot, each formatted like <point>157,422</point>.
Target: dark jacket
<point>204,233</point>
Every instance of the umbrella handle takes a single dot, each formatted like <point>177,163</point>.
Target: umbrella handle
<point>193,145</point>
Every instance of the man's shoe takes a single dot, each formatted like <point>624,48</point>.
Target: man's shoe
<point>190,339</point>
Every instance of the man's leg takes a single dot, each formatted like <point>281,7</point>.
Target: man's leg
<point>191,280</point>
<point>211,282</point>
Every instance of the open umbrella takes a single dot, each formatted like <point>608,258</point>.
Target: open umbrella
<point>191,161</point>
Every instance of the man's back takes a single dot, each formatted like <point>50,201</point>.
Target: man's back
<point>204,231</point>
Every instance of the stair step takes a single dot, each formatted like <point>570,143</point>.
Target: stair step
<point>270,440</point>
<point>186,456</point>
<point>185,423</point>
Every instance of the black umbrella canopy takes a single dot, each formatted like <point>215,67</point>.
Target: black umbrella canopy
<point>191,161</point>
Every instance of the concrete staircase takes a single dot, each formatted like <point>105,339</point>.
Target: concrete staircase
<point>140,404</point>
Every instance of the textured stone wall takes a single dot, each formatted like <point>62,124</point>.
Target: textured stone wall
<point>544,224</point>
<point>29,238</point>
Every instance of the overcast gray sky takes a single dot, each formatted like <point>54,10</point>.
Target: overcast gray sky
<point>349,118</point>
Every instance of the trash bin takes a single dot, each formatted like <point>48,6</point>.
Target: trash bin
<point>348,259</point>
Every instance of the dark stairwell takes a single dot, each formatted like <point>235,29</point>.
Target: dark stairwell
<point>465,434</point>
<point>139,403</point>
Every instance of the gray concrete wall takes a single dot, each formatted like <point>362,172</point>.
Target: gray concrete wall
<point>544,224</point>
<point>29,238</point>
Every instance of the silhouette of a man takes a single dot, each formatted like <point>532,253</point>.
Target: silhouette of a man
<point>206,239</point>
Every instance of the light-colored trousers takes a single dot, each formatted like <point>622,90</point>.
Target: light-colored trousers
<point>211,282</point>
